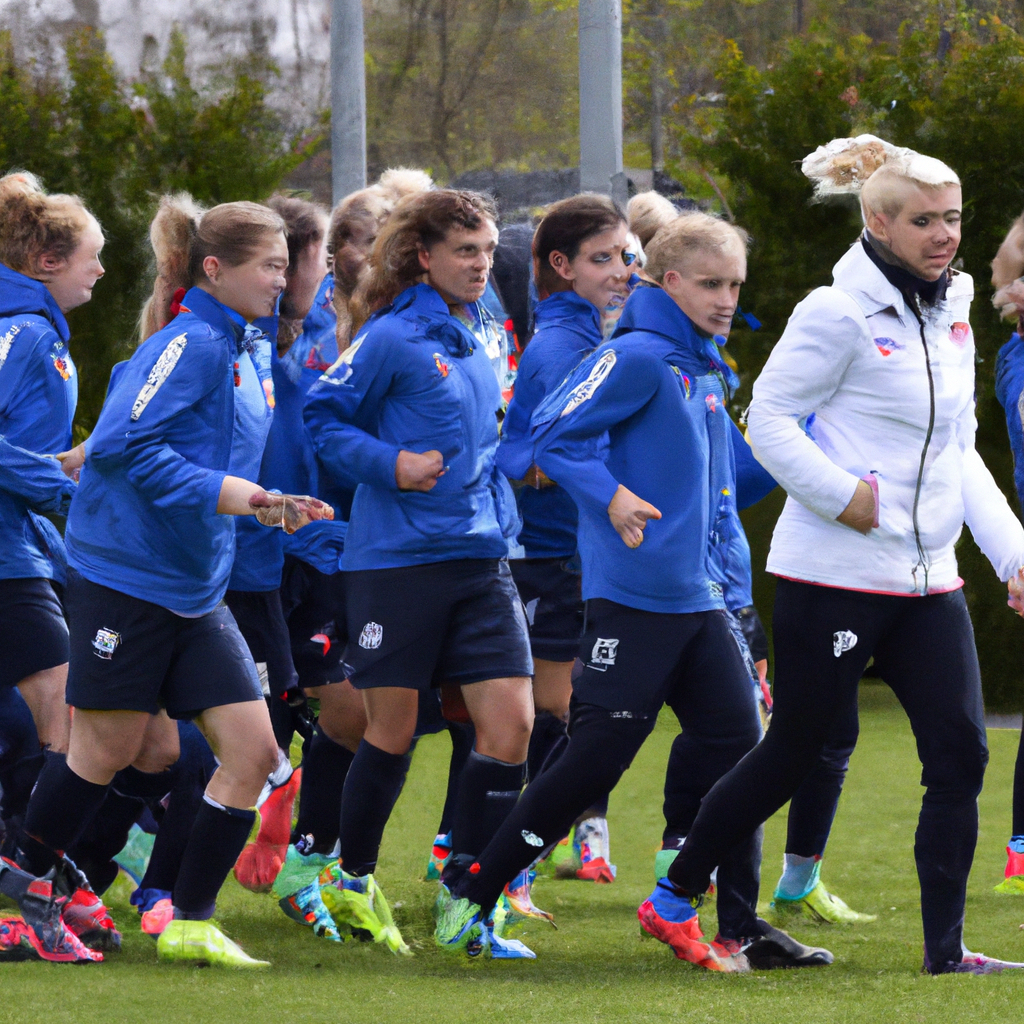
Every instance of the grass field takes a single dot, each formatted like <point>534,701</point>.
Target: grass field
<point>593,968</point>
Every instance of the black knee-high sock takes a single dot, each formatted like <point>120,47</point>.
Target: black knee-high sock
<point>218,835</point>
<point>373,784</point>
<point>323,779</point>
<point>547,741</point>
<point>281,721</point>
<point>104,837</point>
<point>61,806</point>
<point>463,736</point>
<point>488,790</point>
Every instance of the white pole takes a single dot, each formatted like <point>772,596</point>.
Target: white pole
<point>348,98</point>
<point>600,32</point>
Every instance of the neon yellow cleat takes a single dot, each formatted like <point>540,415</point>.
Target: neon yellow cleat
<point>202,942</point>
<point>820,906</point>
<point>357,904</point>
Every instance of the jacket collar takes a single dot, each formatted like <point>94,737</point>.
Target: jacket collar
<point>21,294</point>
<point>569,310</point>
<point>204,306</point>
<point>424,304</point>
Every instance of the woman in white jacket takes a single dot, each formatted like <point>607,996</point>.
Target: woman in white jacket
<point>864,413</point>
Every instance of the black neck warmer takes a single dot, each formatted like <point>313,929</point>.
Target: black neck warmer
<point>897,273</point>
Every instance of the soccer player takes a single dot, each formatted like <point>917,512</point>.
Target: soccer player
<point>639,436</point>
<point>150,545</point>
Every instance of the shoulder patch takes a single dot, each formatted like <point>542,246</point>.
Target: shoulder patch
<point>160,372</point>
<point>585,391</point>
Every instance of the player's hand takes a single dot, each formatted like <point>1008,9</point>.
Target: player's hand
<point>860,513</point>
<point>1015,589</point>
<point>72,461</point>
<point>536,477</point>
<point>629,515</point>
<point>416,472</point>
<point>289,511</point>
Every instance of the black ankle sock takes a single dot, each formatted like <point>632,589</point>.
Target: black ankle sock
<point>323,778</point>
<point>547,741</point>
<point>62,804</point>
<point>218,835</point>
<point>374,782</point>
<point>488,790</point>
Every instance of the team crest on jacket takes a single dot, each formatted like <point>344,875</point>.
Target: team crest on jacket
<point>597,376</point>
<point>888,345</point>
<point>604,654</point>
<point>959,333</point>
<point>161,371</point>
<point>442,366</point>
<point>711,402</point>
<point>105,642</point>
<point>843,641</point>
<point>61,366</point>
<point>371,636</point>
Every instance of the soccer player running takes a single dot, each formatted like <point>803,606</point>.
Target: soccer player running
<point>150,545</point>
<point>581,265</point>
<point>49,262</point>
<point>881,480</point>
<point>644,418</point>
<point>409,413</point>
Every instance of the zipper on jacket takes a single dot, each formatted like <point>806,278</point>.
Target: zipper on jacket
<point>922,562</point>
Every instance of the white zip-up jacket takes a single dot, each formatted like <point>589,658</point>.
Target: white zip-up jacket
<point>845,395</point>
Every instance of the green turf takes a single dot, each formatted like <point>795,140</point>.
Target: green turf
<point>593,968</point>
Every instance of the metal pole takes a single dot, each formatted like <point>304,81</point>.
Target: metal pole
<point>600,32</point>
<point>348,98</point>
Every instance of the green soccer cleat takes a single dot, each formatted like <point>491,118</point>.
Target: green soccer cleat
<point>563,861</point>
<point>820,906</point>
<point>357,904</point>
<point>202,942</point>
<point>1013,883</point>
<point>662,862</point>
<point>460,924</point>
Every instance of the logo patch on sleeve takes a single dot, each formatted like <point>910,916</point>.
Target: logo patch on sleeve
<point>597,376</point>
<point>6,341</point>
<point>341,368</point>
<point>161,371</point>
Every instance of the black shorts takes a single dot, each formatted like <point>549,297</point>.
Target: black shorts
<point>261,622</point>
<point>421,625</point>
<point>130,655</point>
<point>314,607</point>
<point>36,635</point>
<point>637,661</point>
<point>554,606</point>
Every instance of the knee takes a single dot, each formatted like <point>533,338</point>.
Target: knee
<point>343,722</point>
<point>505,739</point>
<point>265,758</point>
<point>159,755</point>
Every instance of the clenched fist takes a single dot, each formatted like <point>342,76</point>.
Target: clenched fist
<point>416,472</point>
<point>289,511</point>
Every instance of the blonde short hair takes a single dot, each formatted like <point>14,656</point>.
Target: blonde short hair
<point>647,213</point>
<point>687,237</point>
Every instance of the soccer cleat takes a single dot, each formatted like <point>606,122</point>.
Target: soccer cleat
<point>973,963</point>
<point>357,904</point>
<point>157,917</point>
<point>820,906</point>
<point>460,924</point>
<point>282,777</point>
<point>306,907</point>
<point>590,838</point>
<point>86,916</point>
<point>299,868</point>
<point>775,950</point>
<point>563,861</point>
<point>202,942</point>
<point>147,899</point>
<point>134,856</point>
<point>497,947</point>
<point>515,905</point>
<point>45,931</point>
<point>672,919</point>
<point>439,854</point>
<point>1013,882</point>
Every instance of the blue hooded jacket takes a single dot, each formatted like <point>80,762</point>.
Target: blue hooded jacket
<point>144,521</point>
<point>38,395</point>
<point>568,329</point>
<point>656,393</point>
<point>414,378</point>
<point>1009,388</point>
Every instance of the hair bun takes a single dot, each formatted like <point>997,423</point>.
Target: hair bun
<point>843,165</point>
